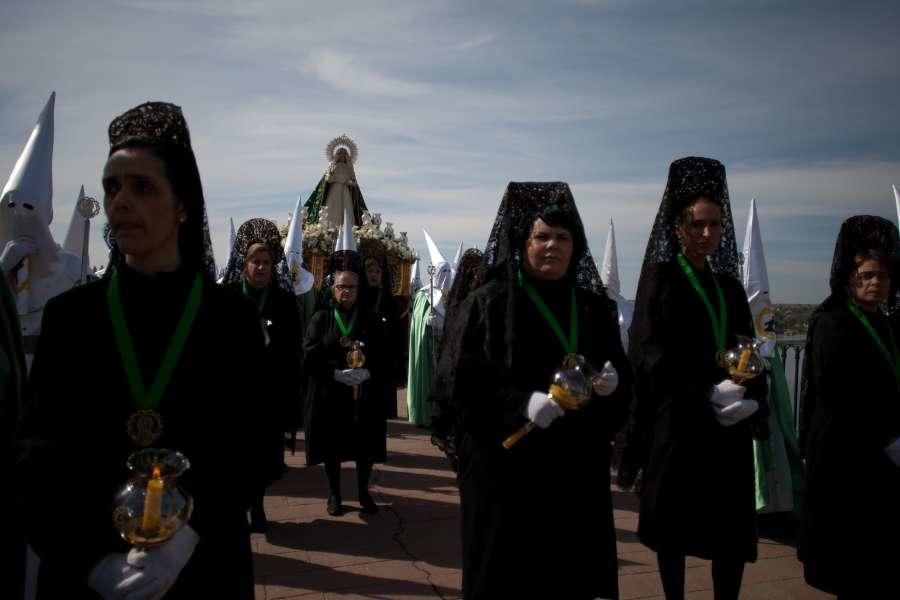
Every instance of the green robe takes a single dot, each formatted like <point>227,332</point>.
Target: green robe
<point>315,201</point>
<point>421,362</point>
<point>779,470</point>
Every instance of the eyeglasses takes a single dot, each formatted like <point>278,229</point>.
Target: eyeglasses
<point>345,288</point>
<point>870,275</point>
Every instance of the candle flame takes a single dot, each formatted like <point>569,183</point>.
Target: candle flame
<point>156,472</point>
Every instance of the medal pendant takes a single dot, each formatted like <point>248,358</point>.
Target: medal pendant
<point>144,427</point>
<point>345,341</point>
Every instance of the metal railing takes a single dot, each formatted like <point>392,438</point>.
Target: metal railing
<point>793,346</point>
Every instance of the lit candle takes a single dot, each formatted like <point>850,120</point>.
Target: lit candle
<point>745,358</point>
<point>152,505</point>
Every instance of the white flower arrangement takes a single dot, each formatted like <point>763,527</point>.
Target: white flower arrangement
<point>397,247</point>
<point>318,238</point>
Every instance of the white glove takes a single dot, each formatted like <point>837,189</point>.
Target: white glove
<point>114,579</point>
<point>607,381</point>
<point>735,412</point>
<point>351,376</point>
<point>893,451</point>
<point>542,409</point>
<point>726,392</point>
<point>164,563</point>
<point>15,251</point>
<point>435,320</point>
<point>362,375</point>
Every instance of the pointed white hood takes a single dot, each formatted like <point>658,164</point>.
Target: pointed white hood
<point>231,236</point>
<point>31,180</point>
<point>897,202</point>
<point>302,279</point>
<point>455,266</point>
<point>26,202</point>
<point>609,272</point>
<point>345,239</point>
<point>755,278</point>
<point>74,241</point>
<point>415,278</point>
<point>443,274</point>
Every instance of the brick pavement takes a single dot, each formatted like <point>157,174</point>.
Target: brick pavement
<point>411,548</point>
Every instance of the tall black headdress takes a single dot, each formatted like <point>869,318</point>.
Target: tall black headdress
<point>374,250</point>
<point>250,233</point>
<point>521,205</point>
<point>689,179</point>
<point>469,275</point>
<point>859,234</point>
<point>161,128</point>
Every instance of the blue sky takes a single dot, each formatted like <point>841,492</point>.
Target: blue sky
<point>450,100</point>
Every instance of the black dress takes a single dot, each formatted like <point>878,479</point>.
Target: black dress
<point>537,519</point>
<point>850,526</point>
<point>337,426</point>
<point>387,319</point>
<point>74,443</point>
<point>698,487</point>
<point>283,355</point>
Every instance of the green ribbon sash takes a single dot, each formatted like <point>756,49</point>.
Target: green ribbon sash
<point>149,400</point>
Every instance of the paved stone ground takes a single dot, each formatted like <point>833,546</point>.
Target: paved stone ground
<point>411,548</point>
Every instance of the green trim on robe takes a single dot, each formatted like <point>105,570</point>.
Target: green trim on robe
<point>780,479</point>
<point>314,203</point>
<point>421,366</point>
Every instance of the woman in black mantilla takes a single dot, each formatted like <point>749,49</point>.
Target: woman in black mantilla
<point>469,276</point>
<point>379,299</point>
<point>691,428</point>
<point>339,426</point>
<point>537,518</point>
<point>75,437</point>
<point>851,419</point>
<point>257,272</point>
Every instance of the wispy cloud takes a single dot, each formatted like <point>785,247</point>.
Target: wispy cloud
<point>476,42</point>
<point>450,100</point>
<point>345,75</point>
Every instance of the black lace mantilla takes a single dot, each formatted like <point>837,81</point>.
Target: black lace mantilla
<point>859,234</point>
<point>156,123</point>
<point>162,126</point>
<point>257,231</point>
<point>521,205</point>
<point>689,178</point>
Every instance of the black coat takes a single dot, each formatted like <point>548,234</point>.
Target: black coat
<point>283,353</point>
<point>387,319</point>
<point>537,519</point>
<point>74,443</point>
<point>853,490</point>
<point>337,426</point>
<point>698,486</point>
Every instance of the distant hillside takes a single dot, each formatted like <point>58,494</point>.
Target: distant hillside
<point>792,319</point>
